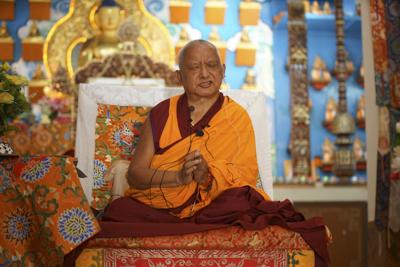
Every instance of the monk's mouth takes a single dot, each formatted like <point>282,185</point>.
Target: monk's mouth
<point>205,84</point>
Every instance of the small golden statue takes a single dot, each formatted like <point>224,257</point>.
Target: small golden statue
<point>245,50</point>
<point>359,150</point>
<point>315,9</point>
<point>307,8</point>
<point>3,30</point>
<point>320,76</point>
<point>38,74</point>
<point>33,44</point>
<point>34,32</point>
<point>244,38</point>
<point>250,80</point>
<point>328,152</point>
<point>327,8</point>
<point>214,38</point>
<point>106,42</point>
<point>330,113</point>
<point>360,114</point>
<point>183,40</point>
<point>214,35</point>
<point>349,67</point>
<point>183,35</point>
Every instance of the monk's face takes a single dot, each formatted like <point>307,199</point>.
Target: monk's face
<point>201,71</point>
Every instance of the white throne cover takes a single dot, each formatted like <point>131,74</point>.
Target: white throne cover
<point>90,95</point>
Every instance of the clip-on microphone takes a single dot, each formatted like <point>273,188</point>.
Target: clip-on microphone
<point>199,132</point>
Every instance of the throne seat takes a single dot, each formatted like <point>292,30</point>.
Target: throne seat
<point>273,246</point>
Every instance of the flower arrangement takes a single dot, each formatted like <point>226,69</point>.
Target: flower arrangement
<point>12,98</point>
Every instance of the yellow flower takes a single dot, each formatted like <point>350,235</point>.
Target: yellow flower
<point>17,80</point>
<point>6,67</point>
<point>6,98</point>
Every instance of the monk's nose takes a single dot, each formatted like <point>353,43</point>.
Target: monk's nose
<point>204,71</point>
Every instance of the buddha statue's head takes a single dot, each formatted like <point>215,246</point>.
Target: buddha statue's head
<point>108,16</point>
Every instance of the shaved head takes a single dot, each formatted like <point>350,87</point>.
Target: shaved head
<point>200,70</point>
<point>194,43</point>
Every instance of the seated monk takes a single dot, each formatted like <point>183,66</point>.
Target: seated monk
<point>195,166</point>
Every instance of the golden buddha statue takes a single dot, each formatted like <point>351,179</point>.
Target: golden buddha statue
<point>215,38</point>
<point>330,113</point>
<point>328,152</point>
<point>214,35</point>
<point>359,150</point>
<point>34,31</point>
<point>315,8</point>
<point>3,30</point>
<point>106,42</point>
<point>183,40</point>
<point>360,114</point>
<point>250,80</point>
<point>38,74</point>
<point>184,35</point>
<point>245,50</point>
<point>307,8</point>
<point>320,76</point>
<point>244,38</point>
<point>327,8</point>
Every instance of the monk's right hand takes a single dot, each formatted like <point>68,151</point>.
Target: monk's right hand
<point>117,171</point>
<point>189,166</point>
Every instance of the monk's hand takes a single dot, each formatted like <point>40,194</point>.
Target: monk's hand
<point>189,166</point>
<point>201,171</point>
<point>117,175</point>
<point>117,170</point>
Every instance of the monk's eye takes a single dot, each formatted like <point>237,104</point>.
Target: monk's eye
<point>194,67</point>
<point>212,64</point>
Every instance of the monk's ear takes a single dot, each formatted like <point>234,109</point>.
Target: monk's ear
<point>179,76</point>
<point>223,70</point>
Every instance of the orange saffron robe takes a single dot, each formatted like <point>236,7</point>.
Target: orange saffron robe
<point>227,145</point>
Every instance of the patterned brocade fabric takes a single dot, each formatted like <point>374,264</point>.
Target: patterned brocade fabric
<point>44,213</point>
<point>41,139</point>
<point>273,247</point>
<point>234,237</point>
<point>117,134</point>
<point>172,257</point>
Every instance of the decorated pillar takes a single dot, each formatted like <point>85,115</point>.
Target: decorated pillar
<point>343,125</point>
<point>300,130</point>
